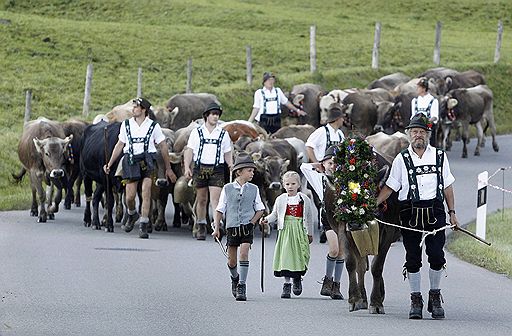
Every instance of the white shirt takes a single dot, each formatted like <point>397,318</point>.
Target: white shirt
<point>318,140</point>
<point>314,178</point>
<point>423,102</point>
<point>221,207</point>
<point>271,105</point>
<point>427,183</point>
<point>138,133</point>
<point>209,150</point>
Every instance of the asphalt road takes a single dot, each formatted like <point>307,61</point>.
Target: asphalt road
<point>60,278</point>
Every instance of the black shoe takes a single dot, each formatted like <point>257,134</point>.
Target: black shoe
<point>287,289</point>
<point>143,230</point>
<point>297,286</point>
<point>130,223</point>
<point>416,311</point>
<point>323,238</point>
<point>434,304</point>
<point>240,292</point>
<point>335,291</point>
<point>234,283</point>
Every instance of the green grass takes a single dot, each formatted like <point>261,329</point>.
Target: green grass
<point>498,256</point>
<point>47,45</point>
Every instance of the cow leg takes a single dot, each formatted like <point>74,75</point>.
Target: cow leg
<point>54,207</point>
<point>354,294</point>
<point>98,193</point>
<point>78,185</point>
<point>362,267</point>
<point>118,197</point>
<point>88,198</point>
<point>177,215</point>
<point>480,135</point>
<point>69,194</point>
<point>109,225</point>
<point>465,137</point>
<point>49,198</point>
<point>37,182</point>
<point>161,203</point>
<point>492,125</point>
<point>33,209</point>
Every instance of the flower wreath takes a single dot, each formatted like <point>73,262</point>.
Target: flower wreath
<point>355,182</point>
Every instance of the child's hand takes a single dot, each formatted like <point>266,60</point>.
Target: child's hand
<point>263,222</point>
<point>216,231</point>
<point>310,239</point>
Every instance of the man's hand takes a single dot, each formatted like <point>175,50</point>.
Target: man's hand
<point>170,175</point>
<point>454,221</point>
<point>301,113</point>
<point>310,238</point>
<point>188,173</point>
<point>216,231</point>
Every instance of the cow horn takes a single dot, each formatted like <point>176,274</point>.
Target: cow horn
<point>298,98</point>
<point>452,102</point>
<point>256,156</point>
<point>348,111</point>
<point>37,144</point>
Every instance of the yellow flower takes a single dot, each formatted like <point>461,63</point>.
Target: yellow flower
<point>354,187</point>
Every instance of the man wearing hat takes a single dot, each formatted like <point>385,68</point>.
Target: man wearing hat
<point>137,138</point>
<point>421,175</point>
<point>209,148</point>
<point>266,109</point>
<point>240,203</point>
<point>321,139</point>
<point>428,105</point>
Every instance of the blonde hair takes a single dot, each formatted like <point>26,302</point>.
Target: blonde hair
<point>291,174</point>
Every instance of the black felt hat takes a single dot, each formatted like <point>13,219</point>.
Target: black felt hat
<point>334,113</point>
<point>423,82</point>
<point>267,76</point>
<point>142,102</point>
<point>420,121</point>
<point>212,107</point>
<point>329,153</point>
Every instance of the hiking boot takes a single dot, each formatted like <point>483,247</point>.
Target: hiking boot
<point>130,223</point>
<point>287,290</point>
<point>297,286</point>
<point>201,232</point>
<point>143,230</point>
<point>240,292</point>
<point>434,304</point>
<point>234,283</point>
<point>416,311</point>
<point>335,291</point>
<point>326,287</point>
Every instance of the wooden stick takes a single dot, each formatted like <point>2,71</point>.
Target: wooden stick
<point>458,228</point>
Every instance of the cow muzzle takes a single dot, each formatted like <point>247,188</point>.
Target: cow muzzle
<point>161,183</point>
<point>57,173</point>
<point>275,185</point>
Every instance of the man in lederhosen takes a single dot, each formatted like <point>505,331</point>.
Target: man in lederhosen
<point>318,142</point>
<point>209,147</point>
<point>428,105</point>
<point>137,139</point>
<point>266,109</point>
<point>421,175</point>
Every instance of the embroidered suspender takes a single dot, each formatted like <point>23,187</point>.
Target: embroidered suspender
<point>328,142</point>
<point>203,141</point>
<point>265,100</point>
<point>427,110</point>
<point>413,172</point>
<point>131,140</point>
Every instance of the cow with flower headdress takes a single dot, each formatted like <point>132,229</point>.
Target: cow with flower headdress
<point>350,201</point>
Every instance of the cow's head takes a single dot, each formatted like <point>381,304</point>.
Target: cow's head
<point>272,169</point>
<point>385,111</point>
<point>165,117</point>
<point>53,153</point>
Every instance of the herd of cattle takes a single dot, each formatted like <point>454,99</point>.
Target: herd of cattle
<point>63,154</point>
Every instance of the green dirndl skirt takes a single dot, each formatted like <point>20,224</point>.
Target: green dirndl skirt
<point>291,256</point>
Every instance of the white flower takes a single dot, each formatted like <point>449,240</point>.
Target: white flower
<point>351,168</point>
<point>343,192</point>
<point>366,197</point>
<point>410,171</point>
<point>352,152</point>
<point>348,211</point>
<point>353,207</point>
<point>413,187</point>
<point>365,175</point>
<point>361,211</point>
<point>340,201</point>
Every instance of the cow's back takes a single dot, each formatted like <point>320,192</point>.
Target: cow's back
<point>190,107</point>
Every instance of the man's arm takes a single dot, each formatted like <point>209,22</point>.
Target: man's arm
<point>295,109</point>
<point>187,161</point>
<point>311,154</point>
<point>450,202</point>
<point>385,192</point>
<point>118,149</point>
<point>254,113</point>
<point>164,149</point>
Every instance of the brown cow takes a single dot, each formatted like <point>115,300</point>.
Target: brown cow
<point>306,97</point>
<point>181,109</point>
<point>42,151</point>
<point>238,128</point>
<point>298,131</point>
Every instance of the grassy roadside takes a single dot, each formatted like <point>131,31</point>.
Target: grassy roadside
<point>497,257</point>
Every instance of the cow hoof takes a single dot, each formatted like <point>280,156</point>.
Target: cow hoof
<point>109,229</point>
<point>34,213</point>
<point>477,153</point>
<point>464,156</point>
<point>164,228</point>
<point>376,310</point>
<point>496,147</point>
<point>41,219</point>
<point>150,228</point>
<point>119,218</point>
<point>67,206</point>
<point>87,224</point>
<point>177,223</point>
<point>51,216</point>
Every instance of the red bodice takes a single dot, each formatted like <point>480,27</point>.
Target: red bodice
<point>295,210</point>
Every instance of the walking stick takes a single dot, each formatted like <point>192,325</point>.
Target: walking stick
<point>472,235</point>
<point>262,258</point>
<point>107,183</point>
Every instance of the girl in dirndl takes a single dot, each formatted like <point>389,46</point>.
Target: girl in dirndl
<point>293,213</point>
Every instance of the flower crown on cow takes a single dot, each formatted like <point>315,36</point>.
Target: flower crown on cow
<point>355,182</point>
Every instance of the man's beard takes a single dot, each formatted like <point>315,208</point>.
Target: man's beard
<point>420,144</point>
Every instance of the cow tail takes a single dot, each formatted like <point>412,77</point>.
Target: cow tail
<point>19,177</point>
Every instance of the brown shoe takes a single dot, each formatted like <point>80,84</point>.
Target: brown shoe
<point>326,287</point>
<point>335,291</point>
<point>201,232</point>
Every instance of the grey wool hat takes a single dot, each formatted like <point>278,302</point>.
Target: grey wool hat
<point>329,153</point>
<point>243,161</point>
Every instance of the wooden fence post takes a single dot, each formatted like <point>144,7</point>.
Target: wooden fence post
<point>189,75</point>
<point>376,46</point>
<point>437,46</point>
<point>312,48</point>
<point>28,105</point>
<point>248,64</point>
<point>87,94</point>
<point>497,51</point>
<point>139,82</point>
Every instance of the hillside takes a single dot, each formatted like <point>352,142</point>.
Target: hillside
<point>47,45</point>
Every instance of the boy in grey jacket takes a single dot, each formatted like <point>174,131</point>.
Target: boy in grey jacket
<point>240,203</point>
